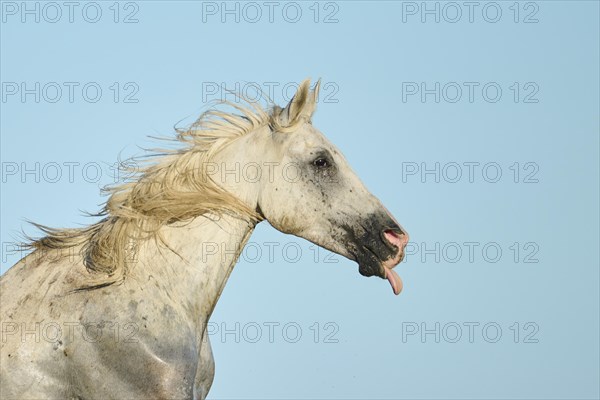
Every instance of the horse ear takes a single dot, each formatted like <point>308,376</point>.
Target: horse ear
<point>302,105</point>
<point>315,93</point>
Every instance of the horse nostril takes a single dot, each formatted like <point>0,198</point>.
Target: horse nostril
<point>396,237</point>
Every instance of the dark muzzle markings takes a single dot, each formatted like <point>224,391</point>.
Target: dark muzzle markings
<point>377,244</point>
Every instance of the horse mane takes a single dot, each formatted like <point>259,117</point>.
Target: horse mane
<point>171,186</point>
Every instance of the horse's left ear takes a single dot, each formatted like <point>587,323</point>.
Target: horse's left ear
<point>302,106</point>
<point>314,94</point>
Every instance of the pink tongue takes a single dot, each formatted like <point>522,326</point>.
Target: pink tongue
<point>394,280</point>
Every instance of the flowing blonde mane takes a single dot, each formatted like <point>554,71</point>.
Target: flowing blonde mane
<point>172,186</point>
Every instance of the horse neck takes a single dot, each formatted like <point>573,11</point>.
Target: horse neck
<point>191,262</point>
<point>197,257</point>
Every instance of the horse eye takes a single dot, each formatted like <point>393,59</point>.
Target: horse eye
<point>321,163</point>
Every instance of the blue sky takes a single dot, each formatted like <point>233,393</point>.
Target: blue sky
<point>478,131</point>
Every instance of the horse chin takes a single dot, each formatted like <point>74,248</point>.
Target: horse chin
<point>370,265</point>
<point>371,270</point>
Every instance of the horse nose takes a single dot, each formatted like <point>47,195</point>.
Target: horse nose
<point>397,237</point>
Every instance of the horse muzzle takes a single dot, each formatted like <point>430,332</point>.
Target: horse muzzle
<point>381,249</point>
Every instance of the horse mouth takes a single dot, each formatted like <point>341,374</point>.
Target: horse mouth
<point>377,244</point>
<point>372,265</point>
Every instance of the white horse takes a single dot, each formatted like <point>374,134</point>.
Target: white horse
<point>118,310</point>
